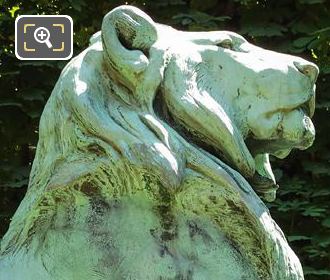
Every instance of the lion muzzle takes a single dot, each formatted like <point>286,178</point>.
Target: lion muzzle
<point>298,129</point>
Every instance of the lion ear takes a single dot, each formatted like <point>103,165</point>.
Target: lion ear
<point>127,35</point>
<point>206,120</point>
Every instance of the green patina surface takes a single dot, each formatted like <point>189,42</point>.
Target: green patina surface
<point>150,146</point>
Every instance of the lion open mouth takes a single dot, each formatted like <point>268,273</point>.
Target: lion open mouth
<point>297,132</point>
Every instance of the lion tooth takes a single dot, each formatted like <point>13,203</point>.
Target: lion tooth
<point>311,106</point>
<point>263,167</point>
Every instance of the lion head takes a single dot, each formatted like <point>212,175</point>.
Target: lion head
<point>238,101</point>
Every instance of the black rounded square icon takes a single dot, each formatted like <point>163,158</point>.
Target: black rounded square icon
<point>43,37</point>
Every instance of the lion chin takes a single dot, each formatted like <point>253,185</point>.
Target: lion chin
<point>148,147</point>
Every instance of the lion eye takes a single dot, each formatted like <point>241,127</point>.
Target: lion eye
<point>226,44</point>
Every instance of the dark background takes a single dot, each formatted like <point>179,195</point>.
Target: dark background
<point>300,27</point>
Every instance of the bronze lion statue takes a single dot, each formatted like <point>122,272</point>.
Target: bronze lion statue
<point>153,151</point>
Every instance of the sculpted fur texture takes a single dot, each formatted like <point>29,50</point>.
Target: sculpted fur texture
<point>151,150</point>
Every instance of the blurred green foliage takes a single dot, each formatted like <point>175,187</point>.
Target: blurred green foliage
<point>300,27</point>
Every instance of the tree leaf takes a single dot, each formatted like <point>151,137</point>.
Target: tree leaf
<point>293,238</point>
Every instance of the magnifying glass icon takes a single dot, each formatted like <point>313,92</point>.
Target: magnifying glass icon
<point>41,35</point>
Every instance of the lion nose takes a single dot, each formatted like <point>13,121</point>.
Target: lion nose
<point>308,69</point>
